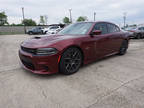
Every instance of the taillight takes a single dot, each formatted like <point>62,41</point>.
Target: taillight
<point>132,31</point>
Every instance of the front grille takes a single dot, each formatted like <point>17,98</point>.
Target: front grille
<point>28,65</point>
<point>28,50</point>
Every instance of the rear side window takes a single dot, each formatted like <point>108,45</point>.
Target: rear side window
<point>141,28</point>
<point>102,27</point>
<point>117,29</point>
<point>112,28</point>
<point>55,27</point>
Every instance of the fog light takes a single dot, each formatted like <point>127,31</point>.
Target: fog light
<point>46,68</point>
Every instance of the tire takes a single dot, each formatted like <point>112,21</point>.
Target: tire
<point>30,33</point>
<point>71,61</point>
<point>142,36</point>
<point>123,48</point>
<point>138,36</point>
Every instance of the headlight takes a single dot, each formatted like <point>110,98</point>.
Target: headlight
<point>46,51</point>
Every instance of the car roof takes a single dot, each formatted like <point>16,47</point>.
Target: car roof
<point>96,22</point>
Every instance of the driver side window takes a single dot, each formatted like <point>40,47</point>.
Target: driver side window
<point>102,27</point>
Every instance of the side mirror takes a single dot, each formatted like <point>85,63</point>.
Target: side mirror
<point>96,32</point>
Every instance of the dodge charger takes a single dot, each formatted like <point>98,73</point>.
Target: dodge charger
<point>76,45</point>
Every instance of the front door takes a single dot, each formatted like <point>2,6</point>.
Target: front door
<point>103,42</point>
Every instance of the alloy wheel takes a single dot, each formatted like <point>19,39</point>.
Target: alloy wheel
<point>72,60</point>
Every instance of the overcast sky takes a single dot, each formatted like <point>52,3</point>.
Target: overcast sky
<point>56,10</point>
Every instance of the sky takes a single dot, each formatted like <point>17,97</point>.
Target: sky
<point>56,10</point>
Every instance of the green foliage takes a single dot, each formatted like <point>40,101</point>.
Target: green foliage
<point>43,20</point>
<point>66,20</point>
<point>16,24</point>
<point>29,22</point>
<point>3,18</point>
<point>19,24</point>
<point>82,18</point>
<point>134,25</point>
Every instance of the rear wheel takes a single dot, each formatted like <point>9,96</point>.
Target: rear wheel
<point>71,61</point>
<point>123,48</point>
<point>138,36</point>
<point>143,35</point>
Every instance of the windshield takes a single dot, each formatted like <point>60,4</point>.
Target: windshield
<point>76,29</point>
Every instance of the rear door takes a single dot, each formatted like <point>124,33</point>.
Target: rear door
<point>115,37</point>
<point>143,31</point>
<point>35,30</point>
<point>39,30</point>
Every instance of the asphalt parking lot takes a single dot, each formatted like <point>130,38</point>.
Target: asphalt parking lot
<point>114,82</point>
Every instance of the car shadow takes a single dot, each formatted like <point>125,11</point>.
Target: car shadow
<point>42,76</point>
<point>99,60</point>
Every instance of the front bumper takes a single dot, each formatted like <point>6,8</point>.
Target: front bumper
<point>39,64</point>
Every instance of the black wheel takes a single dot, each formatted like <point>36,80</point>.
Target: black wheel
<point>123,48</point>
<point>71,61</point>
<point>142,36</point>
<point>138,36</point>
<point>30,33</point>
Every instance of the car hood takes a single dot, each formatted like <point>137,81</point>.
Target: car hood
<point>44,41</point>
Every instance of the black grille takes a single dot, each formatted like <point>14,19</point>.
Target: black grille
<point>29,50</point>
<point>28,65</point>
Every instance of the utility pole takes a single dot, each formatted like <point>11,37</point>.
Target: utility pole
<point>23,19</point>
<point>124,18</point>
<point>70,15</point>
<point>94,16</point>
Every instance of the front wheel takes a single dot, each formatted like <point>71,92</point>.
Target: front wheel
<point>123,48</point>
<point>45,32</point>
<point>71,61</point>
<point>30,33</point>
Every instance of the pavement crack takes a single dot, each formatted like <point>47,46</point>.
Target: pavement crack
<point>134,89</point>
<point>111,92</point>
<point>43,93</point>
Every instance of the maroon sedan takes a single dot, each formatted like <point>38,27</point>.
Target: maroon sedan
<point>77,44</point>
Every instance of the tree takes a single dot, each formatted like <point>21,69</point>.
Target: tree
<point>66,20</point>
<point>3,19</point>
<point>13,24</point>
<point>29,22</point>
<point>82,18</point>
<point>43,20</point>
